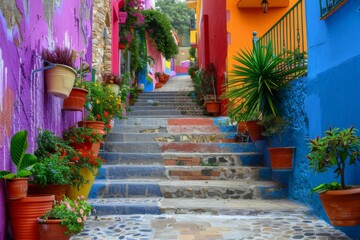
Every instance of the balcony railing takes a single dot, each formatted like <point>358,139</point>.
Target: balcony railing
<point>288,35</point>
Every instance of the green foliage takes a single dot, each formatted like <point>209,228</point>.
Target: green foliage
<point>53,169</point>
<point>272,125</point>
<point>159,30</point>
<point>256,80</point>
<point>179,16</point>
<point>192,53</point>
<point>72,213</point>
<point>335,149</point>
<point>81,135</point>
<point>22,160</point>
<point>138,56</point>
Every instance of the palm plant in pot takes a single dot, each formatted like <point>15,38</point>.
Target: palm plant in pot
<point>17,183</point>
<point>337,149</point>
<point>64,220</point>
<point>257,79</point>
<point>60,73</point>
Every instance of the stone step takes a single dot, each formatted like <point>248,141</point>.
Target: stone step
<point>161,113</point>
<point>162,100</point>
<point>165,104</point>
<point>232,207</point>
<point>163,97</point>
<point>168,108</point>
<point>184,159</point>
<point>186,129</point>
<point>111,172</point>
<point>129,188</point>
<point>169,137</point>
<point>158,147</point>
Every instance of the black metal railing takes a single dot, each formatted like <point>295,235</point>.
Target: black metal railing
<point>288,35</point>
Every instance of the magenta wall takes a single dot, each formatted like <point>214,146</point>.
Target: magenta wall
<point>217,39</point>
<point>26,27</point>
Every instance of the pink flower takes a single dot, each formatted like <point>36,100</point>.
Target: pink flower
<point>81,211</point>
<point>84,218</point>
<point>79,220</point>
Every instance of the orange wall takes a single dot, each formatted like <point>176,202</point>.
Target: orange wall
<point>243,21</point>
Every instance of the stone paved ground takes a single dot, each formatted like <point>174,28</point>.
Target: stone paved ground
<point>207,227</point>
<point>287,224</point>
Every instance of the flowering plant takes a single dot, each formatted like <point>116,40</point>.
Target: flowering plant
<point>134,20</point>
<point>72,213</point>
<point>109,78</point>
<point>81,135</point>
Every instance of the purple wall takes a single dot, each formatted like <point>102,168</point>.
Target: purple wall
<point>26,27</point>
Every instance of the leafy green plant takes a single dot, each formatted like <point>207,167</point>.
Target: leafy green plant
<point>272,125</point>
<point>53,169</point>
<point>159,30</point>
<point>257,78</point>
<point>22,160</point>
<point>338,148</point>
<point>72,213</point>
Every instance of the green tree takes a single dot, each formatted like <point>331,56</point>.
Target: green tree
<point>179,16</point>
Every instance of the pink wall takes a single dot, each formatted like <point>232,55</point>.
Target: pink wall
<point>213,41</point>
<point>24,103</point>
<point>159,60</point>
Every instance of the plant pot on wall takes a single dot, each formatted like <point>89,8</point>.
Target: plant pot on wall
<point>122,17</point>
<point>60,80</point>
<point>281,158</point>
<point>76,100</point>
<point>213,107</point>
<point>342,206</point>
<point>24,212</point>
<point>254,130</point>
<point>16,188</point>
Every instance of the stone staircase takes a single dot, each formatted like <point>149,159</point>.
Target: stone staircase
<point>162,159</point>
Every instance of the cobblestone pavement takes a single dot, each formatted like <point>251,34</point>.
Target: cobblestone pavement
<point>207,227</point>
<point>177,83</point>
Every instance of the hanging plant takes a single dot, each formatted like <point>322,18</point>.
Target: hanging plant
<point>159,30</point>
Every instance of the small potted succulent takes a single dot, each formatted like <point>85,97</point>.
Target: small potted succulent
<point>60,73</point>
<point>17,183</point>
<point>64,220</point>
<point>337,150</point>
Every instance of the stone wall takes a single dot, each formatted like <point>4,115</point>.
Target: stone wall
<point>27,27</point>
<point>101,42</point>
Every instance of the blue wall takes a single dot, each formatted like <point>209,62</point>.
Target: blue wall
<point>328,96</point>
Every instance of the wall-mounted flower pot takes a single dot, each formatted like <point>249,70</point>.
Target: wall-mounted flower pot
<point>158,85</point>
<point>122,46</point>
<point>122,17</point>
<point>342,206</point>
<point>254,130</point>
<point>73,192</point>
<point>98,126</point>
<point>57,190</point>
<point>24,212</point>
<point>281,158</point>
<point>60,80</point>
<point>76,100</point>
<point>16,188</point>
<point>241,127</point>
<point>115,88</point>
<point>213,107</point>
<point>52,229</point>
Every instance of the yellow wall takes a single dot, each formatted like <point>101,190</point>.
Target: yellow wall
<point>243,21</point>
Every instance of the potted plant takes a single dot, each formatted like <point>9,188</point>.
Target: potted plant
<point>272,127</point>
<point>335,151</point>
<point>256,80</point>
<point>77,97</point>
<point>113,81</point>
<point>64,219</point>
<point>208,81</point>
<point>60,73</point>
<point>122,17</point>
<point>17,183</point>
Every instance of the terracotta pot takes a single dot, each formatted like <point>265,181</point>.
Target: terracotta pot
<point>213,107</point>
<point>60,80</point>
<point>162,79</point>
<point>52,229</point>
<point>83,147</point>
<point>158,85</point>
<point>24,212</point>
<point>98,126</point>
<point>122,46</point>
<point>226,140</point>
<point>76,100</point>
<point>53,189</point>
<point>254,130</point>
<point>281,157</point>
<point>16,188</point>
<point>241,127</point>
<point>342,206</point>
<point>73,192</point>
<point>166,77</point>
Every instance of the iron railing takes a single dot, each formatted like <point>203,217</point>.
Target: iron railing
<point>288,35</point>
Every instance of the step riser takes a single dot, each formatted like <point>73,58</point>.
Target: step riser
<point>126,190</point>
<point>125,209</point>
<point>159,113</point>
<point>157,108</point>
<point>126,172</point>
<point>164,104</point>
<point>147,147</point>
<point>246,159</point>
<point>169,129</point>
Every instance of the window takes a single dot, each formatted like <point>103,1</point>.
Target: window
<point>327,7</point>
